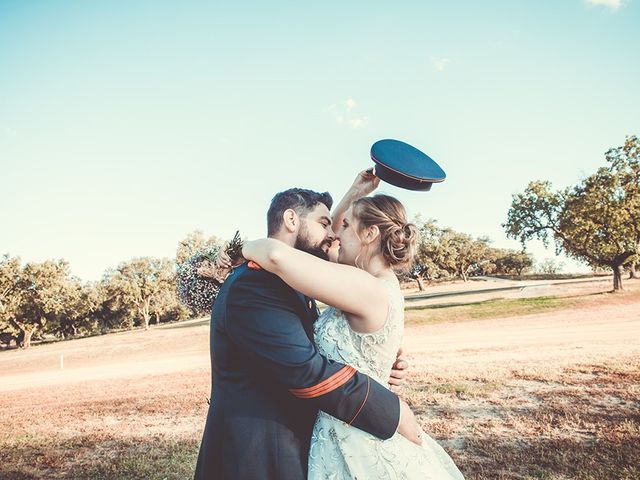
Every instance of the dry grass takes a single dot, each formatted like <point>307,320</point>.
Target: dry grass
<point>534,419</point>
<point>578,423</point>
<point>581,422</point>
<point>144,429</point>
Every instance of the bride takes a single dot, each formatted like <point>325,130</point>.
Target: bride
<point>363,327</point>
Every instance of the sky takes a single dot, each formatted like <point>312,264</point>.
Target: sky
<point>126,125</point>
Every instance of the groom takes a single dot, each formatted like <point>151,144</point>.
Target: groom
<point>268,379</point>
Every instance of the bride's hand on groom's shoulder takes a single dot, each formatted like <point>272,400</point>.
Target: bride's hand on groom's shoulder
<point>225,264</point>
<point>223,261</point>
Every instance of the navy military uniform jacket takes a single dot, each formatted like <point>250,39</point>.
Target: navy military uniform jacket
<point>269,381</point>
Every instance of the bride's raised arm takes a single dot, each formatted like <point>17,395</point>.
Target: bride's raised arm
<point>365,183</point>
<point>348,288</point>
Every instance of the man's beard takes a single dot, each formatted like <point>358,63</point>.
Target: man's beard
<point>303,243</point>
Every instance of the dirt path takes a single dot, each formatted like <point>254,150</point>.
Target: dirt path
<point>482,348</point>
<point>549,339</point>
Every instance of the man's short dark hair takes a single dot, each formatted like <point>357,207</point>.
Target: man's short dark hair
<point>298,199</point>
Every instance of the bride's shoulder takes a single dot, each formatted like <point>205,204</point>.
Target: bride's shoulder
<point>392,286</point>
<point>390,283</point>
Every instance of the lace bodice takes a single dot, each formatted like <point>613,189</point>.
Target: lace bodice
<point>342,452</point>
<point>370,353</point>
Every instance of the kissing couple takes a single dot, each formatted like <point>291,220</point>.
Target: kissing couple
<point>300,394</point>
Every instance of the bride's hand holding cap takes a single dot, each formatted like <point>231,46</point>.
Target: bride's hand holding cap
<point>365,183</point>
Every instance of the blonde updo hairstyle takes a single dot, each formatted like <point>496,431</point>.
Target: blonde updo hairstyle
<point>398,238</point>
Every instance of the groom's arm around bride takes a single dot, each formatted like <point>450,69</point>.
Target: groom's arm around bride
<point>269,381</point>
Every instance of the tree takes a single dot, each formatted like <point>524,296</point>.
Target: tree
<point>429,256</point>
<point>113,312</point>
<point>596,221</point>
<point>10,293</point>
<point>625,161</point>
<point>549,266</point>
<point>194,243</point>
<point>463,255</point>
<point>42,297</point>
<point>510,262</point>
<point>445,253</point>
<point>135,286</point>
<point>634,268</point>
<point>79,312</point>
<point>166,305</point>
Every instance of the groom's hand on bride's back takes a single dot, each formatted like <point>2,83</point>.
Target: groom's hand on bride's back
<point>399,370</point>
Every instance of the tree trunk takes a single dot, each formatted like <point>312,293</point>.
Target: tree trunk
<point>420,283</point>
<point>146,314</point>
<point>25,337</point>
<point>157,318</point>
<point>617,278</point>
<point>23,340</point>
<point>633,272</point>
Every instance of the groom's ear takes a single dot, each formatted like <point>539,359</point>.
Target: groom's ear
<point>290,220</point>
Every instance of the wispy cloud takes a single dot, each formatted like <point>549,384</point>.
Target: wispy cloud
<point>440,63</point>
<point>345,114</point>
<point>613,5</point>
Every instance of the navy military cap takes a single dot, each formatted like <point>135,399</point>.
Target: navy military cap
<point>404,166</point>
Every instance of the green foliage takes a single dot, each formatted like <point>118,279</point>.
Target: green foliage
<point>445,253</point>
<point>10,292</point>
<point>596,221</point>
<point>535,213</point>
<point>42,298</point>
<point>510,262</point>
<point>430,257</point>
<point>42,286</point>
<point>195,243</point>
<point>139,288</point>
<point>549,266</point>
<point>498,308</point>
<point>80,304</point>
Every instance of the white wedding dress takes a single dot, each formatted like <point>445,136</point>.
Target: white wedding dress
<point>339,451</point>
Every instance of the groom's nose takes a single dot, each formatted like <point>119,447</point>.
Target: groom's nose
<point>331,235</point>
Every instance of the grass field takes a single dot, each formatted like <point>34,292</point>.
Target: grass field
<point>509,307</point>
<point>545,388</point>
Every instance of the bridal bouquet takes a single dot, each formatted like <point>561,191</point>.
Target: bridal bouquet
<point>199,279</point>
